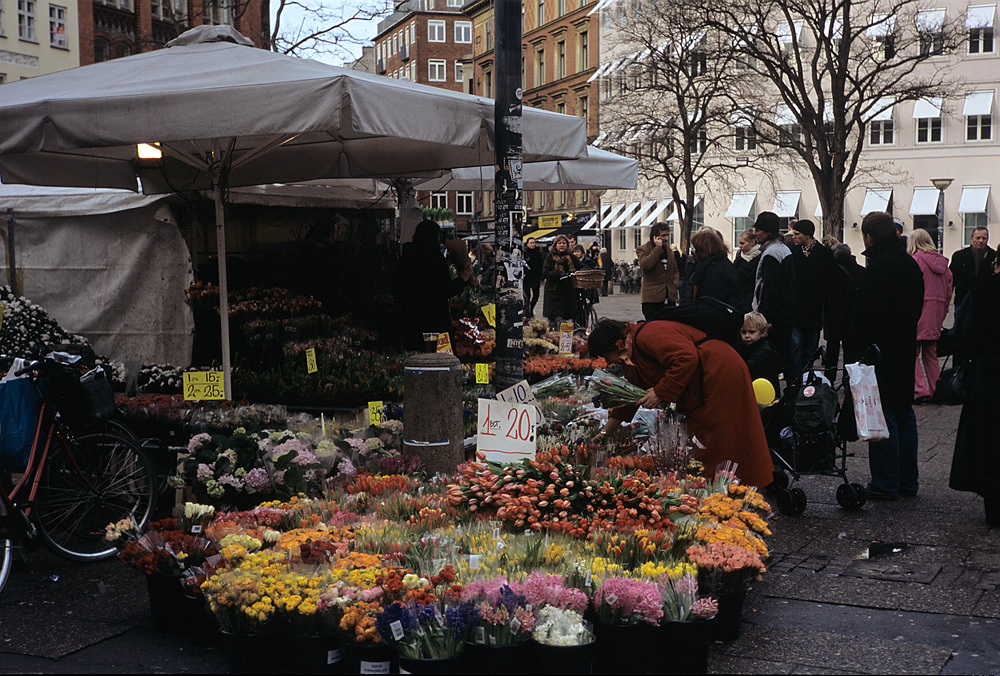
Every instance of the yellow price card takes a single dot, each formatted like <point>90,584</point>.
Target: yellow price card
<point>376,413</point>
<point>203,385</point>
<point>566,339</point>
<point>444,343</point>
<point>490,312</point>
<point>482,374</point>
<point>311,360</point>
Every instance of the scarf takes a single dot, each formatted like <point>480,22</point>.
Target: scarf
<point>754,252</point>
<point>563,262</point>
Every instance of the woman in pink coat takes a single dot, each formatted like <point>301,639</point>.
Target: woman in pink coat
<point>937,294</point>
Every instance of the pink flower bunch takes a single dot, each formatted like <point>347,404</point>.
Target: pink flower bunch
<point>197,440</point>
<point>623,600</point>
<point>551,590</point>
<point>705,608</point>
<point>489,590</point>
<point>724,567</point>
<point>499,616</point>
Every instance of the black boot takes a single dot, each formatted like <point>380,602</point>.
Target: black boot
<point>992,511</point>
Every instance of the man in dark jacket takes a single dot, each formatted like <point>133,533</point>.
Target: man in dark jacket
<point>814,272</point>
<point>774,288</point>
<point>608,265</point>
<point>839,316</point>
<point>533,259</point>
<point>889,303</point>
<point>969,266</point>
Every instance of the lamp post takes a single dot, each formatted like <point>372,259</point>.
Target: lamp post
<point>941,184</point>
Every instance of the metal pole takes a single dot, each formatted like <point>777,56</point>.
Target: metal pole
<point>220,247</point>
<point>509,200</point>
<point>11,263</point>
<point>940,225</point>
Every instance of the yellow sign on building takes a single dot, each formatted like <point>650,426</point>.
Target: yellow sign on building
<point>549,222</point>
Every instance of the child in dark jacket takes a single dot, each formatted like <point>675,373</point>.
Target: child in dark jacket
<point>758,353</point>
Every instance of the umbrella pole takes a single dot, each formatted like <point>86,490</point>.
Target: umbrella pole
<point>220,245</point>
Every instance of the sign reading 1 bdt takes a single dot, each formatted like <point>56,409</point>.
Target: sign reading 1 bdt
<point>506,431</point>
<point>203,385</point>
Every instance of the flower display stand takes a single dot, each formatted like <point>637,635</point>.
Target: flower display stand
<point>623,649</point>
<point>499,659</point>
<point>314,654</point>
<point>570,659</point>
<point>369,659</point>
<point>167,606</point>
<point>726,626</point>
<point>253,653</point>
<point>684,646</point>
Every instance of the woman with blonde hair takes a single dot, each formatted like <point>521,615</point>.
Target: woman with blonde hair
<point>937,294</point>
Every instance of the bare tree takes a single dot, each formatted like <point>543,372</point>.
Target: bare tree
<point>665,102</point>
<point>310,28</point>
<point>829,67</point>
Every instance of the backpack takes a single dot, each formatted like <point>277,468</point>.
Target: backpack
<point>815,407</point>
<point>711,315</point>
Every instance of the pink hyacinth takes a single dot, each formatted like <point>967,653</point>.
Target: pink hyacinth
<point>550,590</point>
<point>626,597</point>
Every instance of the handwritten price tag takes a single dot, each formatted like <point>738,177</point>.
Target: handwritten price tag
<point>203,385</point>
<point>311,360</point>
<point>490,312</point>
<point>506,432</point>
<point>376,413</point>
<point>519,393</point>
<point>444,343</point>
<point>566,339</point>
<point>482,374</point>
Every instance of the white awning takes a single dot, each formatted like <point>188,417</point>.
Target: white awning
<point>927,108</point>
<point>885,107</point>
<point>876,199</point>
<point>783,115</point>
<point>786,203</point>
<point>978,103</point>
<point>974,199</point>
<point>837,31</point>
<point>617,222</point>
<point>653,215</point>
<point>741,204</point>
<point>600,71</point>
<point>674,217</point>
<point>610,217</point>
<point>741,118</point>
<point>605,209</point>
<point>592,223</point>
<point>924,202</point>
<point>639,213</point>
<point>819,210</point>
<point>881,25</point>
<point>784,32</point>
<point>603,4</point>
<point>930,20</point>
<point>980,16</point>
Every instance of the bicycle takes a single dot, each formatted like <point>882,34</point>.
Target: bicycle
<point>586,283</point>
<point>74,484</point>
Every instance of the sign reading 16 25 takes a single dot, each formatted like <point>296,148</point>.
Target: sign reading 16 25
<point>203,385</point>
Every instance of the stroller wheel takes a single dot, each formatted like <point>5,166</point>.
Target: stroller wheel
<point>780,480</point>
<point>862,495</point>
<point>783,497</point>
<point>798,501</point>
<point>847,496</point>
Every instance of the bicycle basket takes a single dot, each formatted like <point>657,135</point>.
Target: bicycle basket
<point>588,279</point>
<point>78,403</point>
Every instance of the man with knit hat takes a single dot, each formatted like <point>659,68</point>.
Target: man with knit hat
<point>814,273</point>
<point>774,287</point>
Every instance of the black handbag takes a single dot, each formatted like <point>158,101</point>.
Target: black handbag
<point>953,385</point>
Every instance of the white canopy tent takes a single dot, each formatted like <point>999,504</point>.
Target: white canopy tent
<point>224,114</point>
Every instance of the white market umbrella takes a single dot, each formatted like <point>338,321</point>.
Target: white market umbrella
<point>226,114</point>
<point>599,170</point>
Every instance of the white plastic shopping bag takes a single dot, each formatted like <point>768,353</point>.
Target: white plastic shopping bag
<point>867,403</point>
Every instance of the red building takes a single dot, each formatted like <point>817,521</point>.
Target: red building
<point>114,28</point>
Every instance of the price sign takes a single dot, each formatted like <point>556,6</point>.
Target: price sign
<point>566,339</point>
<point>506,432</point>
<point>490,312</point>
<point>311,360</point>
<point>376,413</point>
<point>203,385</point>
<point>444,343</point>
<point>519,393</point>
<point>482,374</point>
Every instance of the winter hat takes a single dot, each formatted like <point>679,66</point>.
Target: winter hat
<point>806,227</point>
<point>767,221</point>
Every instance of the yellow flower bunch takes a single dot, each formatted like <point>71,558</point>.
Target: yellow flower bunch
<point>679,570</point>
<point>649,571</point>
<point>751,498</point>
<point>734,536</point>
<point>250,544</point>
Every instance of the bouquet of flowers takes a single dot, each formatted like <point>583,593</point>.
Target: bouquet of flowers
<point>542,590</point>
<point>242,597</point>
<point>679,590</point>
<point>504,617</point>
<point>725,568</point>
<point>554,386</point>
<point>556,626</point>
<point>163,549</point>
<point>623,600</point>
<point>427,631</point>
<point>614,391</point>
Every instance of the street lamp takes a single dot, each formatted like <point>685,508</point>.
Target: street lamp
<point>941,184</point>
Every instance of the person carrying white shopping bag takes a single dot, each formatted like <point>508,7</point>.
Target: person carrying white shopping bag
<point>868,413</point>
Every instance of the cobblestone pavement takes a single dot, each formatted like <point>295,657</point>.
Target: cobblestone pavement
<point>909,586</point>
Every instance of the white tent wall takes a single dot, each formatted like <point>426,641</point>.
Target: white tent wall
<point>116,278</point>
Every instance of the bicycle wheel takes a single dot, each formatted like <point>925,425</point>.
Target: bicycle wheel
<point>6,546</point>
<point>100,479</point>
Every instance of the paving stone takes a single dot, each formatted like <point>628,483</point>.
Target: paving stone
<point>872,593</point>
<point>988,605</point>
<point>899,572</point>
<point>730,664</point>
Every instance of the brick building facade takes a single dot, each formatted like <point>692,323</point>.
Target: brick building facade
<point>426,41</point>
<point>111,29</point>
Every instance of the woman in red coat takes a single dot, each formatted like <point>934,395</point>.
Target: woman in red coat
<point>707,380</point>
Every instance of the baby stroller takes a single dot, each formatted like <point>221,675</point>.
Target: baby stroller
<point>802,435</point>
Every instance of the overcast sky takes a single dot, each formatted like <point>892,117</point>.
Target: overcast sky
<point>362,30</point>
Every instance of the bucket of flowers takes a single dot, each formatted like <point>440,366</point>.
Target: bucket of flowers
<point>428,637</point>
<point>687,621</point>
<point>499,643</point>
<point>726,571</point>
<point>628,614</point>
<point>564,641</point>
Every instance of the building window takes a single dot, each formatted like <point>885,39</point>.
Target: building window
<point>395,44</point>
<point>454,3</point>
<point>102,50</point>
<point>458,71</point>
<point>541,12</point>
<point>981,40</point>
<point>745,138</point>
<point>931,43</point>
<point>606,87</point>
<point>488,84</point>
<point>562,7</point>
<point>880,133</point>
<point>562,198</point>
<point>540,67</point>
<point>26,20</point>
<point>1,22</point>
<point>464,204</point>
<point>583,58</point>
<point>637,238</point>
<point>621,240</point>
<point>584,196</point>
<point>609,19</point>
<point>489,35</point>
<point>439,200</point>
<point>930,31</point>
<point>218,13</point>
<point>698,143</point>
<point>560,59</point>
<point>561,107</point>
<point>972,221</point>
<point>435,31</point>
<point>435,70</point>
<point>463,32</point>
<point>929,130</point>
<point>699,60</point>
<point>584,108</point>
<point>57,27</point>
<point>3,78</point>
<point>978,127</point>
<point>741,224</point>
<point>789,135</point>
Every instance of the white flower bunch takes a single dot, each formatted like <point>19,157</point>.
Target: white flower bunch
<point>560,627</point>
<point>192,510</point>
